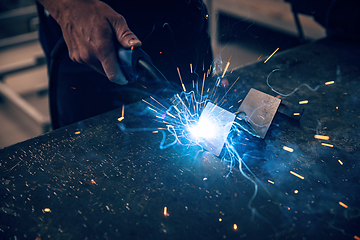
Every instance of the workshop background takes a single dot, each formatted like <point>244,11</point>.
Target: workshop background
<point>243,30</point>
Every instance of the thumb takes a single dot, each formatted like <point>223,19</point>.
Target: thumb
<point>124,35</point>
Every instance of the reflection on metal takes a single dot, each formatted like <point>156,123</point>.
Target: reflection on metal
<point>258,110</point>
<point>221,122</point>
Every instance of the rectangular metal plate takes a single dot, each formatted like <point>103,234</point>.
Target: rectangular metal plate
<point>221,120</point>
<point>259,110</point>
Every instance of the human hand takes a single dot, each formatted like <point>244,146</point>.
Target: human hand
<point>91,29</point>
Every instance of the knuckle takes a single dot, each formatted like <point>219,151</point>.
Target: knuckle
<point>84,56</point>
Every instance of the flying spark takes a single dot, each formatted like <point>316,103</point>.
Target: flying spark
<point>182,84</point>
<point>235,227</point>
<point>288,149</point>
<point>166,214</point>
<point>329,83</point>
<point>327,145</point>
<point>47,210</point>
<point>304,102</point>
<point>122,114</point>
<point>321,137</point>
<point>271,55</point>
<point>297,175</point>
<point>343,205</point>
<point>226,68</point>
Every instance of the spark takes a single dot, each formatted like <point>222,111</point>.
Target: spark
<point>157,102</point>
<point>220,219</point>
<point>321,137</point>
<point>182,84</point>
<point>271,55</point>
<point>202,88</point>
<point>47,210</point>
<point>296,114</point>
<point>226,68</point>
<point>191,68</point>
<point>235,227</point>
<point>92,181</point>
<point>230,88</point>
<point>288,149</point>
<point>341,163</point>
<point>271,182</point>
<point>329,83</point>
<point>297,175</point>
<point>186,109</point>
<point>77,133</point>
<point>343,205</point>
<point>150,104</point>
<point>327,145</point>
<point>166,214</point>
<point>304,102</point>
<point>259,57</point>
<point>122,114</point>
<point>182,102</point>
<point>356,237</point>
<point>296,191</point>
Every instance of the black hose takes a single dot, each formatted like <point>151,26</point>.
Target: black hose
<point>155,73</point>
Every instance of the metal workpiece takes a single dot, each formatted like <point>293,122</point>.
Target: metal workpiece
<point>108,178</point>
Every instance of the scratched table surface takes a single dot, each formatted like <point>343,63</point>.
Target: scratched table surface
<point>91,180</point>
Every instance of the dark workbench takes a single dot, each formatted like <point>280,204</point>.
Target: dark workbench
<point>90,180</point>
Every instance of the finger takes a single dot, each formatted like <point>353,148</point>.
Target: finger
<point>123,34</point>
<point>111,66</point>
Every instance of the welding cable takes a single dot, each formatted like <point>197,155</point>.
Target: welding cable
<point>155,73</point>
